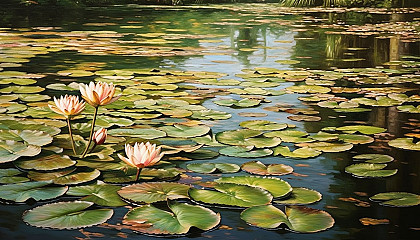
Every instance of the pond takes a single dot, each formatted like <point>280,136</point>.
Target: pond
<point>334,83</point>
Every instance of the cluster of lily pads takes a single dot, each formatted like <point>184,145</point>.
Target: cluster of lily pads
<point>166,107</point>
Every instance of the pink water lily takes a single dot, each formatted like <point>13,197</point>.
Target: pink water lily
<point>98,94</point>
<point>68,106</point>
<point>141,155</point>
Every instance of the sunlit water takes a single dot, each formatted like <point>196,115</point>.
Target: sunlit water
<point>245,40</point>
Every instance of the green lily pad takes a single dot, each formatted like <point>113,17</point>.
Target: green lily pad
<point>22,89</point>
<point>293,136</point>
<point>308,89</point>
<point>28,125</point>
<point>211,115</point>
<point>220,82</point>
<point>405,143</point>
<point>151,220</point>
<point>106,122</point>
<point>146,133</point>
<point>245,152</point>
<point>355,139</point>
<point>66,177</point>
<point>46,163</point>
<point>263,125</point>
<point>259,168</point>
<point>276,186</point>
<point>99,193</point>
<point>154,192</point>
<point>228,194</point>
<point>362,129</point>
<point>32,137</point>
<point>213,167</point>
<point>200,154</point>
<point>183,131</point>
<point>301,196</point>
<point>246,137</point>
<point>334,104</point>
<point>20,192</point>
<point>374,158</point>
<point>397,199</point>
<point>324,136</point>
<point>304,152</point>
<point>66,215</point>
<point>364,170</point>
<point>409,108</point>
<point>11,150</point>
<point>243,103</point>
<point>147,174</point>
<point>297,218</point>
<point>327,147</point>
<point>11,175</point>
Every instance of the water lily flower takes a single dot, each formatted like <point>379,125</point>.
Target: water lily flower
<point>99,136</point>
<point>141,155</point>
<point>68,106</point>
<point>98,94</point>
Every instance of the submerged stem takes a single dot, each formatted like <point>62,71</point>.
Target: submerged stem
<point>138,173</point>
<point>91,132</point>
<point>71,136</point>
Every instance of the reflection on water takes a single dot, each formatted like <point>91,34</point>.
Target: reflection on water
<point>238,41</point>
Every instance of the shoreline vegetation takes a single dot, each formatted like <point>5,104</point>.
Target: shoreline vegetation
<point>286,3</point>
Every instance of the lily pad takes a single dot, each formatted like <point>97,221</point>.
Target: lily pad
<point>327,147</point>
<point>304,152</point>
<point>228,194</point>
<point>66,177</point>
<point>20,192</point>
<point>213,167</point>
<point>100,193</point>
<point>151,220</point>
<point>47,163</point>
<point>32,137</point>
<point>364,170</point>
<point>293,136</point>
<point>374,158</point>
<point>296,218</point>
<point>362,129</point>
<point>308,89</point>
<point>263,125</point>
<point>147,174</point>
<point>246,137</point>
<point>154,192</point>
<point>355,139</point>
<point>397,199</point>
<point>11,150</point>
<point>409,108</point>
<point>276,186</point>
<point>405,143</point>
<point>66,215</point>
<point>211,115</point>
<point>259,168</point>
<point>245,152</point>
<point>11,175</point>
<point>183,131</point>
<point>301,196</point>
<point>146,133</point>
<point>243,103</point>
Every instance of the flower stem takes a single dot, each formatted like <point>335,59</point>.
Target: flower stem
<point>138,173</point>
<point>71,136</point>
<point>91,132</point>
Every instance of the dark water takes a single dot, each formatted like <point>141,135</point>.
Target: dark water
<point>307,38</point>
